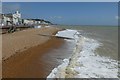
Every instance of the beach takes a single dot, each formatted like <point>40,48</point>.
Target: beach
<point>22,52</point>
<point>59,40</point>
<point>22,40</point>
<point>49,55</point>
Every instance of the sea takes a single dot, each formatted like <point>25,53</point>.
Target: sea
<point>94,52</point>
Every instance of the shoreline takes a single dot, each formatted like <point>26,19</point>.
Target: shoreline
<point>85,61</point>
<point>30,63</point>
<point>16,42</point>
<point>39,61</point>
<point>28,58</point>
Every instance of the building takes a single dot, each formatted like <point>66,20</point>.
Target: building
<point>17,18</point>
<point>10,19</point>
<point>32,21</point>
<point>28,21</point>
<point>37,21</point>
<point>6,19</point>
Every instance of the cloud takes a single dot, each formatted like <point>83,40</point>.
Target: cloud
<point>117,17</point>
<point>10,8</point>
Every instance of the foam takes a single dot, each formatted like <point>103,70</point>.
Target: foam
<point>59,72</point>
<point>91,65</point>
<point>85,62</point>
<point>68,33</point>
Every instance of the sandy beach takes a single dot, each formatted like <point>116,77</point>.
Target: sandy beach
<point>22,51</point>
<point>22,40</point>
<point>55,40</point>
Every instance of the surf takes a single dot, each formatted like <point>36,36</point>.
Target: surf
<point>85,62</point>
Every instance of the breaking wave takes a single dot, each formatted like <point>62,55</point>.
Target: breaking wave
<point>85,62</point>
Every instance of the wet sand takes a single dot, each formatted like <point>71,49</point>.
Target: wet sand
<point>36,61</point>
<point>29,62</point>
<point>39,61</point>
<point>32,63</point>
<point>22,40</point>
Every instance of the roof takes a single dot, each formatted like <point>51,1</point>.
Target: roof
<point>7,15</point>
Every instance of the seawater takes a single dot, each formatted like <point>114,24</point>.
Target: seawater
<point>107,35</point>
<point>95,54</point>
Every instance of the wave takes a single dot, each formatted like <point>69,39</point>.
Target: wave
<point>85,62</point>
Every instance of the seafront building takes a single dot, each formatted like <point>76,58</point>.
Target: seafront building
<point>10,19</point>
<point>32,21</point>
<point>16,19</point>
<point>28,22</point>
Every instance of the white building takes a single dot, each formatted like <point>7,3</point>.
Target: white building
<point>37,21</point>
<point>28,21</point>
<point>6,19</point>
<point>31,21</point>
<point>10,19</point>
<point>17,18</point>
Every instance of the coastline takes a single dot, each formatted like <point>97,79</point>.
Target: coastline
<point>43,60</point>
<point>86,61</point>
<point>22,40</point>
<point>27,63</point>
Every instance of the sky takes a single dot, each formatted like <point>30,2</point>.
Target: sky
<point>68,13</point>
